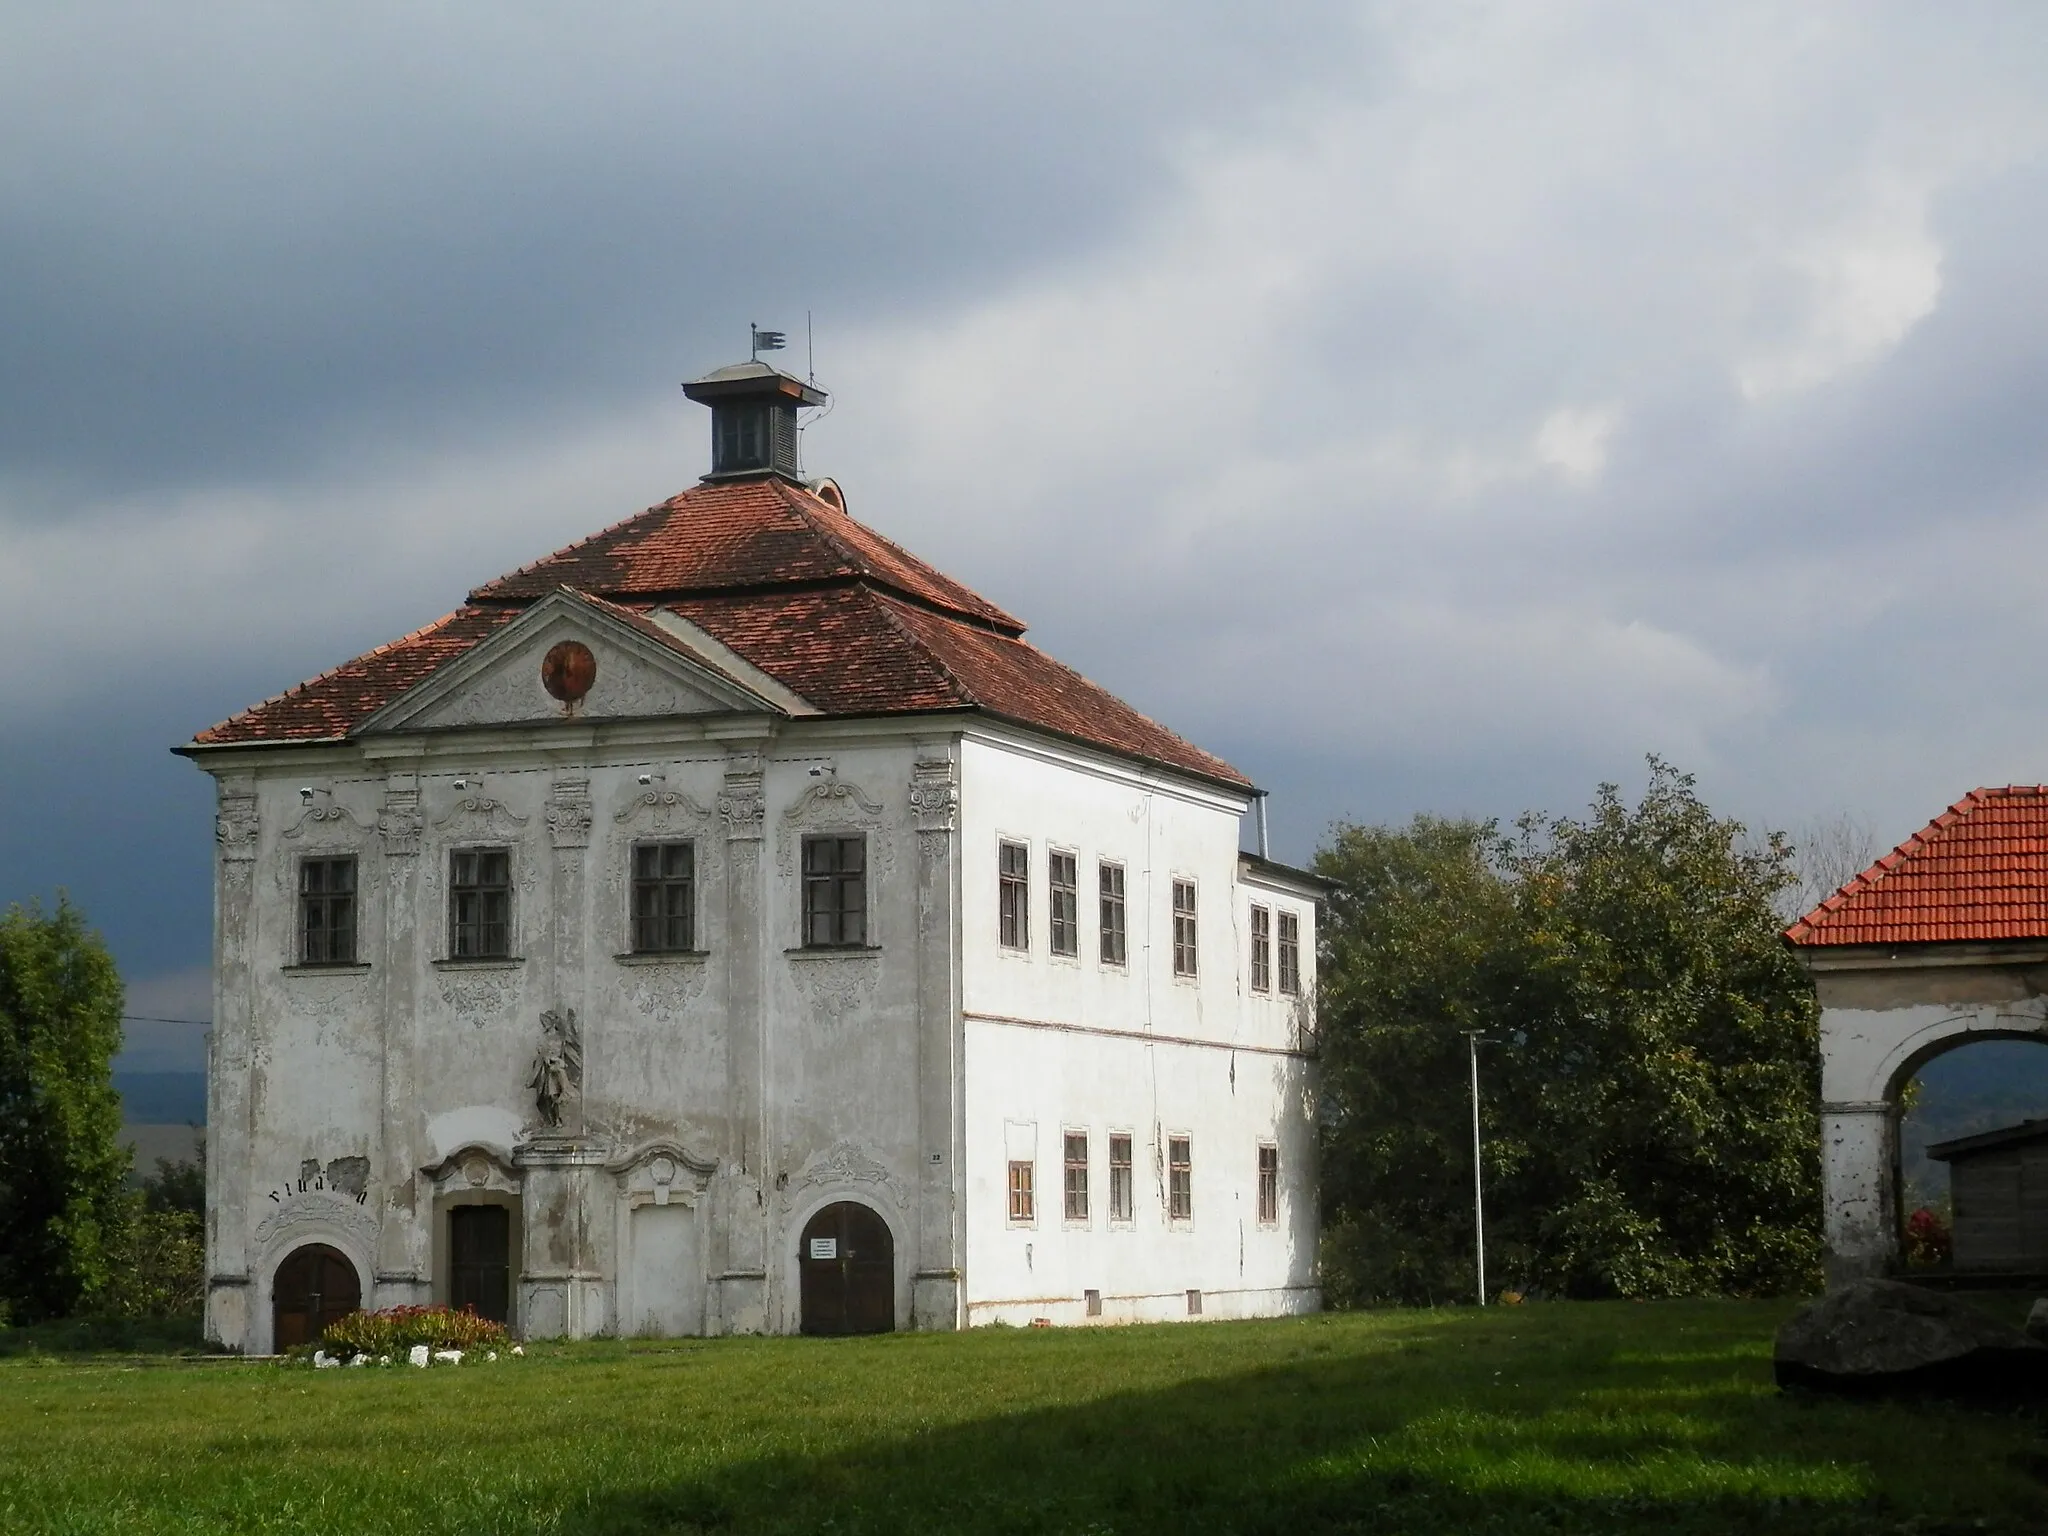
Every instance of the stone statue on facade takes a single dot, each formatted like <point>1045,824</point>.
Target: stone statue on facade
<point>557,1065</point>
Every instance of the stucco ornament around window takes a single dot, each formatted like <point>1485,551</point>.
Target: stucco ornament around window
<point>557,1080</point>
<point>836,985</point>
<point>479,999</point>
<point>841,1164</point>
<point>480,815</point>
<point>473,1166</point>
<point>324,816</point>
<point>660,1172</point>
<point>313,994</point>
<point>831,805</point>
<point>309,1218</point>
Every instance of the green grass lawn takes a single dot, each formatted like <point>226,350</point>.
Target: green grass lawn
<point>1610,1417</point>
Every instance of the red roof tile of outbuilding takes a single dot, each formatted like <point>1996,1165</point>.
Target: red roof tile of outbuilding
<point>830,609</point>
<point>1976,873</point>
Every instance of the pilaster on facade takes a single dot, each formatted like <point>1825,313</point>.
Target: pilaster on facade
<point>936,1293</point>
<point>405,1239</point>
<point>230,1105</point>
<point>739,1251</point>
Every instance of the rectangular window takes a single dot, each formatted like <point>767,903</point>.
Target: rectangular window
<point>1183,927</point>
<point>1120,1186</point>
<point>1023,1205</point>
<point>1110,877</point>
<point>1065,903</point>
<point>1262,950</point>
<point>1076,1188</point>
<point>1290,953</point>
<point>664,898</point>
<point>480,903</point>
<point>1013,896</point>
<point>1269,1184</point>
<point>1180,1179</point>
<point>835,893</point>
<point>327,912</point>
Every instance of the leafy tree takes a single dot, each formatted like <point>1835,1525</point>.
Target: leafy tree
<point>63,1210</point>
<point>177,1186</point>
<point>1417,923</point>
<point>1651,1086</point>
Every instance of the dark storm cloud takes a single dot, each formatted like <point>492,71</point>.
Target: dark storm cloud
<point>1427,406</point>
<point>236,238</point>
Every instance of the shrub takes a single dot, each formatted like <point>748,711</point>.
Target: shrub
<point>397,1329</point>
<point>156,1267</point>
<point>1928,1240</point>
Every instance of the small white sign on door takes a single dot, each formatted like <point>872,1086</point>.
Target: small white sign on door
<point>824,1247</point>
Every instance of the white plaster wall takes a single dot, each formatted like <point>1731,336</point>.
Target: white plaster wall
<point>1059,1043</point>
<point>1227,1101</point>
<point>1160,830</point>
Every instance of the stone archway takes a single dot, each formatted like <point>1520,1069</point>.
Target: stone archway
<point>1868,1056</point>
<point>846,1265</point>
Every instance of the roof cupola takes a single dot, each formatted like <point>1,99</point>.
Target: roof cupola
<point>753,419</point>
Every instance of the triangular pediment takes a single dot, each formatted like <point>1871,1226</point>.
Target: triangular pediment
<point>641,670</point>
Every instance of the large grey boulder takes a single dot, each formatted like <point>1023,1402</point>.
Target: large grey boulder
<point>1882,1336</point>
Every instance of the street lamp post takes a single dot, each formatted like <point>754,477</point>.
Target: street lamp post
<point>1473,1037</point>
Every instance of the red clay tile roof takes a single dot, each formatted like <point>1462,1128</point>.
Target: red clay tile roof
<point>333,703</point>
<point>1977,872</point>
<point>739,536</point>
<point>829,609</point>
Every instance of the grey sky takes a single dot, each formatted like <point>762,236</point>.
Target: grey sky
<point>1428,406</point>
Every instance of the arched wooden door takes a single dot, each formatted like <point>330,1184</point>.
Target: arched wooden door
<point>314,1286</point>
<point>848,1264</point>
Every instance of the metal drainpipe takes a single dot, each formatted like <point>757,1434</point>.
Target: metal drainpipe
<point>1265,843</point>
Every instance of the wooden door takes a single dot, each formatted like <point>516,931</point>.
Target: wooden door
<point>314,1286</point>
<point>848,1267</point>
<point>480,1260</point>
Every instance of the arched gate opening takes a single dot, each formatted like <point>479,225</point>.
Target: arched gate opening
<point>314,1286</point>
<point>846,1262</point>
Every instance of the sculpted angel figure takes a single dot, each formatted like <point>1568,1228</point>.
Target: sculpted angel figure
<point>557,1065</point>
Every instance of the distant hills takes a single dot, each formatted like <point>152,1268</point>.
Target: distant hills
<point>1973,1088</point>
<point>162,1098</point>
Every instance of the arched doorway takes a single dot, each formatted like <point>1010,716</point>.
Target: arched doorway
<point>314,1286</point>
<point>1983,1210</point>
<point>847,1262</point>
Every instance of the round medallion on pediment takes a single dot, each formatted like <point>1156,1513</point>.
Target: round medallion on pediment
<point>568,670</point>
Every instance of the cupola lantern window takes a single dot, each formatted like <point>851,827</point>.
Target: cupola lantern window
<point>753,419</point>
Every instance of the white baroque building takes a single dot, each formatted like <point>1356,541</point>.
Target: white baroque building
<point>730,923</point>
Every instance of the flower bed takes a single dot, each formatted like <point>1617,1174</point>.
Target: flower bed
<point>397,1330</point>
